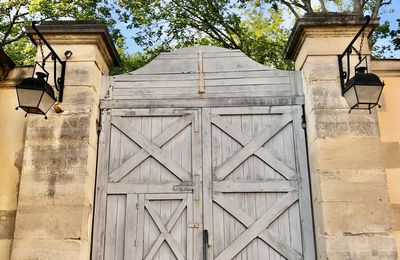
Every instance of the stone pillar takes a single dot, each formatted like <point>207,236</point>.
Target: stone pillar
<point>55,204</point>
<point>352,214</point>
<point>11,154</point>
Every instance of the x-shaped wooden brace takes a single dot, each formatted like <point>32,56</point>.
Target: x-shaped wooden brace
<point>165,230</point>
<point>252,146</point>
<point>151,148</point>
<point>257,228</point>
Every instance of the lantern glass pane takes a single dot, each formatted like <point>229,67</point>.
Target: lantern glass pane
<point>368,93</point>
<point>29,97</point>
<point>351,97</point>
<point>46,103</point>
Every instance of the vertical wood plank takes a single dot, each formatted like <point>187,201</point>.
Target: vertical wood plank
<point>189,230</point>
<point>100,209</point>
<point>304,196</point>
<point>131,226</point>
<point>207,180</point>
<point>120,227</point>
<point>140,229</point>
<point>111,227</point>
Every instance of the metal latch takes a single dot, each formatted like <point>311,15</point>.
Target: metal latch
<point>190,186</point>
<point>193,225</point>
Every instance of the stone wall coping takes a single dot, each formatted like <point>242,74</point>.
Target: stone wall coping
<point>15,76</point>
<point>78,27</point>
<point>321,20</point>
<point>386,67</point>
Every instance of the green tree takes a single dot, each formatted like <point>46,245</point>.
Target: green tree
<point>15,15</point>
<point>255,27</point>
<point>239,24</point>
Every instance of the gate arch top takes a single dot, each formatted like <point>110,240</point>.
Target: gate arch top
<point>202,76</point>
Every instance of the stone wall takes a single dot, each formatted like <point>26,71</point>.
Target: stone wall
<point>389,125</point>
<point>352,212</point>
<point>12,139</point>
<point>55,204</point>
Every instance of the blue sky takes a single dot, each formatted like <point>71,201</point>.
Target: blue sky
<point>389,13</point>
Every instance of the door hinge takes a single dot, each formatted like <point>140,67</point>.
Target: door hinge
<point>303,122</point>
<point>190,186</point>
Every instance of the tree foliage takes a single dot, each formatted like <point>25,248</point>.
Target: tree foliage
<point>15,15</point>
<point>251,27</point>
<point>257,27</point>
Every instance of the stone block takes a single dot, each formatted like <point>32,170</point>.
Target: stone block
<point>396,235</point>
<point>345,153</point>
<point>338,123</point>
<point>396,216</point>
<point>60,129</point>
<point>66,159</point>
<point>353,185</point>
<point>371,247</point>
<point>5,249</point>
<point>393,180</point>
<point>391,154</point>
<point>50,249</point>
<point>357,218</point>
<point>7,223</point>
<point>80,100</point>
<point>56,190</point>
<point>83,74</point>
<point>55,222</point>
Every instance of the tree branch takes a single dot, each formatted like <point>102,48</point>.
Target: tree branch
<point>291,9</point>
<point>322,3</point>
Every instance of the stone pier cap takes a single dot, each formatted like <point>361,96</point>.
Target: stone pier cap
<point>79,32</point>
<point>324,22</point>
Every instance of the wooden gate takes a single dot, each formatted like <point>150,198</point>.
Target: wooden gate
<point>149,198</point>
<point>252,166</point>
<point>202,156</point>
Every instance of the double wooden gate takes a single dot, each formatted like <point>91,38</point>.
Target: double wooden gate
<point>226,183</point>
<point>207,181</point>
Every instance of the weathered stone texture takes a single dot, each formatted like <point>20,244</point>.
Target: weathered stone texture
<point>352,211</point>
<point>7,223</point>
<point>39,249</point>
<point>353,186</point>
<point>53,222</point>
<point>362,247</point>
<point>346,154</point>
<point>355,218</point>
<point>54,216</point>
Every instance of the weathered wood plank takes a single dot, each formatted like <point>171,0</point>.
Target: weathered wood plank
<point>250,148</point>
<point>164,232</point>
<point>111,227</point>
<point>258,226</point>
<point>262,153</point>
<point>207,180</point>
<point>120,227</point>
<point>251,110</point>
<point>142,155</point>
<point>131,226</point>
<point>151,148</point>
<point>136,188</point>
<point>306,217</point>
<point>167,196</point>
<point>100,209</point>
<point>255,186</point>
<point>140,233</point>
<point>281,247</point>
<point>197,101</point>
<point>236,74</point>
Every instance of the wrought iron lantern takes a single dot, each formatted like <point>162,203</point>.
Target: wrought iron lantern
<point>35,94</point>
<point>364,89</point>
